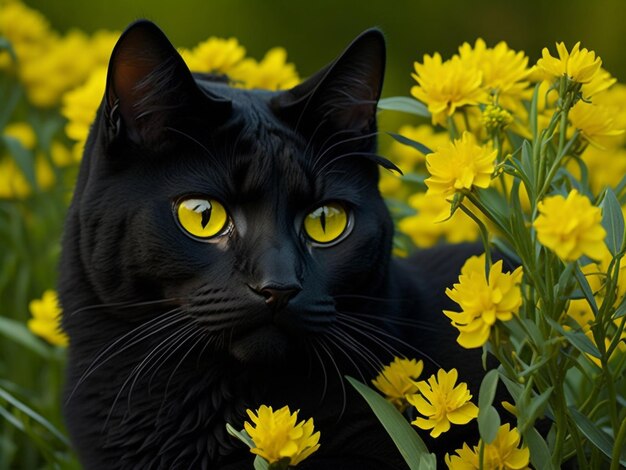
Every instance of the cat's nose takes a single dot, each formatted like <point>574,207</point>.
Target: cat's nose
<point>276,297</point>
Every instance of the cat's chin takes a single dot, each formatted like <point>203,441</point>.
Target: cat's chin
<point>263,345</point>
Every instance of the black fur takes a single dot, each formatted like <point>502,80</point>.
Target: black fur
<point>169,337</point>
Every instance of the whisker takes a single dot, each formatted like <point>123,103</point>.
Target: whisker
<point>341,142</point>
<point>397,321</point>
<point>337,345</point>
<point>375,329</point>
<point>184,330</point>
<point>325,386</point>
<point>162,321</point>
<point>125,305</point>
<point>343,387</point>
<point>371,359</point>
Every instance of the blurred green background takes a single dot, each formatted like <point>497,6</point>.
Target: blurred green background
<point>313,32</point>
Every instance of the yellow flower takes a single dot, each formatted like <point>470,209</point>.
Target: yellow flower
<point>446,86</point>
<point>46,319</point>
<point>595,122</point>
<point>215,55</point>
<point>482,300</point>
<point>579,65</point>
<point>505,72</point>
<point>65,65</point>
<point>23,132</point>
<point>277,436</point>
<point>271,73</point>
<point>26,29</point>
<point>390,185</point>
<point>600,82</point>
<point>503,453</point>
<point>433,222</point>
<point>462,164</point>
<point>495,117</point>
<point>442,403</point>
<point>80,106</point>
<point>396,380</point>
<point>571,226</point>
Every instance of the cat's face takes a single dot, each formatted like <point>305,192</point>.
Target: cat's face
<point>251,212</point>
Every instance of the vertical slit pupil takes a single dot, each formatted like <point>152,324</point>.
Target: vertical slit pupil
<point>206,214</point>
<point>323,219</point>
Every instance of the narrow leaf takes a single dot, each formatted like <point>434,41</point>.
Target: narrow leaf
<point>411,143</point>
<point>586,288</point>
<point>260,463</point>
<point>241,435</point>
<point>621,310</point>
<point>403,435</point>
<point>404,104</point>
<point>535,409</point>
<point>577,339</point>
<point>598,438</point>
<point>488,423</point>
<point>488,387</point>
<point>18,332</point>
<point>540,455</point>
<point>22,157</point>
<point>613,222</point>
<point>33,415</point>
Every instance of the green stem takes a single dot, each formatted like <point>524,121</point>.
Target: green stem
<point>481,455</point>
<point>618,447</point>
<point>454,133</point>
<point>484,236</point>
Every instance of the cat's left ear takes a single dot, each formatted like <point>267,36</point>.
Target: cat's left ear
<point>343,95</point>
<point>149,88</point>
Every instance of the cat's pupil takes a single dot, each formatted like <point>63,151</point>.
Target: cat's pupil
<point>206,213</point>
<point>323,220</point>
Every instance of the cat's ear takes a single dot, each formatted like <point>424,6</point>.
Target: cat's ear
<point>343,95</point>
<point>149,87</point>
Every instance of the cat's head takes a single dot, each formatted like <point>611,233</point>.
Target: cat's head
<point>251,212</point>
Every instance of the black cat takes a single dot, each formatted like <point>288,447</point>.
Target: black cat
<point>229,248</point>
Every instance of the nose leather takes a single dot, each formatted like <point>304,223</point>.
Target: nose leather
<point>277,297</point>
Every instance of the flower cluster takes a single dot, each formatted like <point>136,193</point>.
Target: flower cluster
<point>538,175</point>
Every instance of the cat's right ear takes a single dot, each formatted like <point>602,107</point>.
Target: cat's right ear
<point>150,89</point>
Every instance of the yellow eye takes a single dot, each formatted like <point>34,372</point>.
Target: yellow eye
<point>326,223</point>
<point>202,218</point>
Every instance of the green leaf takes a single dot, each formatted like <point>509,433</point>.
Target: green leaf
<point>527,162</point>
<point>260,463</point>
<point>22,157</point>
<point>404,104</point>
<point>613,222</point>
<point>411,143</point>
<point>6,396</point>
<point>586,288</point>
<point>488,387</point>
<point>242,435</point>
<point>488,423</point>
<point>533,410</point>
<point>598,438</point>
<point>18,332</point>
<point>532,115</point>
<point>428,462</point>
<point>621,310</point>
<point>577,339</point>
<point>407,441</point>
<point>540,455</point>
